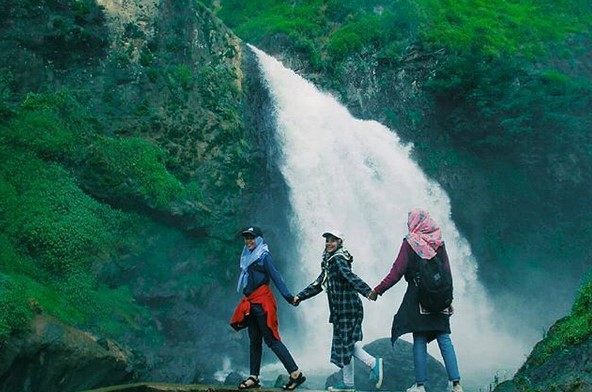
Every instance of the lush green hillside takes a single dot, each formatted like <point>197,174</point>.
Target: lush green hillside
<point>557,362</point>
<point>52,232</point>
<point>58,241</point>
<point>102,146</point>
<point>330,30</point>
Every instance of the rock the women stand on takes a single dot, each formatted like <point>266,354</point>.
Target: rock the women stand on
<point>257,311</point>
<point>423,240</point>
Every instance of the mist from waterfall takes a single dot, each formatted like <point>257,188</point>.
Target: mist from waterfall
<point>358,177</point>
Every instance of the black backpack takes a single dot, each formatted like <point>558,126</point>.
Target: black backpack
<point>434,284</point>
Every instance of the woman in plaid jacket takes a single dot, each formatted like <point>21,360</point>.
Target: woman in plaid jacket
<point>346,310</point>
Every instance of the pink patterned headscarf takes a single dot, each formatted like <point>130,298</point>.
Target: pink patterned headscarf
<point>424,235</point>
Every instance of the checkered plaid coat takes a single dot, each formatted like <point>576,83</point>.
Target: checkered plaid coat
<point>345,307</point>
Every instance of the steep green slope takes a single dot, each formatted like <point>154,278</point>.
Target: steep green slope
<point>114,122</point>
<point>559,361</point>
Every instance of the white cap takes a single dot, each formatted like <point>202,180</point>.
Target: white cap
<point>334,233</point>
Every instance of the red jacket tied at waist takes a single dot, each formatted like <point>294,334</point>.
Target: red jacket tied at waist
<point>264,297</point>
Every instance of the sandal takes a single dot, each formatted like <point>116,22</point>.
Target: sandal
<point>294,382</point>
<point>246,385</point>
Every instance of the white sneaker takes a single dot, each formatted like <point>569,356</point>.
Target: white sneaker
<point>416,388</point>
<point>457,388</point>
<point>341,387</point>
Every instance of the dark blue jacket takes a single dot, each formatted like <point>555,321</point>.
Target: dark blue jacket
<point>261,272</point>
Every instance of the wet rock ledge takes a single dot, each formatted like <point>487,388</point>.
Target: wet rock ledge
<point>155,387</point>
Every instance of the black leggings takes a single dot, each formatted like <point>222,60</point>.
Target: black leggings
<point>259,331</point>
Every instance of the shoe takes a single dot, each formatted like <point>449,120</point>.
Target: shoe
<point>457,388</point>
<point>293,383</point>
<point>377,372</point>
<point>416,388</point>
<point>249,383</point>
<point>341,387</point>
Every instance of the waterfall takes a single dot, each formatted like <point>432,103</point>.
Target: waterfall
<point>358,177</point>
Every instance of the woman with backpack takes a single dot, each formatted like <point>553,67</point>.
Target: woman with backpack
<point>257,311</point>
<point>424,241</point>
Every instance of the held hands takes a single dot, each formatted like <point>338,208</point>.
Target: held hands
<point>373,295</point>
<point>296,301</point>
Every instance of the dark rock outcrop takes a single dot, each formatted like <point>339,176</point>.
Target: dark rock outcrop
<point>58,358</point>
<point>398,368</point>
<point>160,387</point>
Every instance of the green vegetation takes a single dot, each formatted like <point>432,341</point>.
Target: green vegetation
<point>497,27</point>
<point>132,169</point>
<point>333,29</point>
<point>53,234</point>
<point>94,170</point>
<point>74,24</point>
<point>58,243</point>
<point>569,331</point>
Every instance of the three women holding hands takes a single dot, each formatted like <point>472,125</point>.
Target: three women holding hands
<point>258,310</point>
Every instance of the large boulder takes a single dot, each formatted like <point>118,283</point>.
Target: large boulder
<point>398,368</point>
<point>54,357</point>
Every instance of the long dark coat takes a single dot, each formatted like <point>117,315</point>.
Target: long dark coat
<point>408,318</point>
<point>345,307</point>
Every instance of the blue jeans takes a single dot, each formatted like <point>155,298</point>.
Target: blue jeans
<point>420,356</point>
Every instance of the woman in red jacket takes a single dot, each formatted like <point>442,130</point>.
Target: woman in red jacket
<point>257,311</point>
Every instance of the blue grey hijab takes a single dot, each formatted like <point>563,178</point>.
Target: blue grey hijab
<point>247,258</point>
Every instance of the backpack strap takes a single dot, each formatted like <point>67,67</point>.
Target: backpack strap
<point>413,270</point>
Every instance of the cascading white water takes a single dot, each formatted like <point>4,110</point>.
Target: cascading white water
<point>357,176</point>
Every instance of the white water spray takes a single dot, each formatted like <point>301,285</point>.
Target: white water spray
<point>357,176</point>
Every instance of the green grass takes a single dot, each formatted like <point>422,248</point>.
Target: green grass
<point>489,27</point>
<point>55,236</point>
<point>569,331</point>
<point>131,168</point>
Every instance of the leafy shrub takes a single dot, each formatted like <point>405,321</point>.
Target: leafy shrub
<point>55,220</point>
<point>343,42</point>
<point>374,30</point>
<point>498,27</point>
<point>40,131</point>
<point>132,169</point>
<point>14,309</point>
